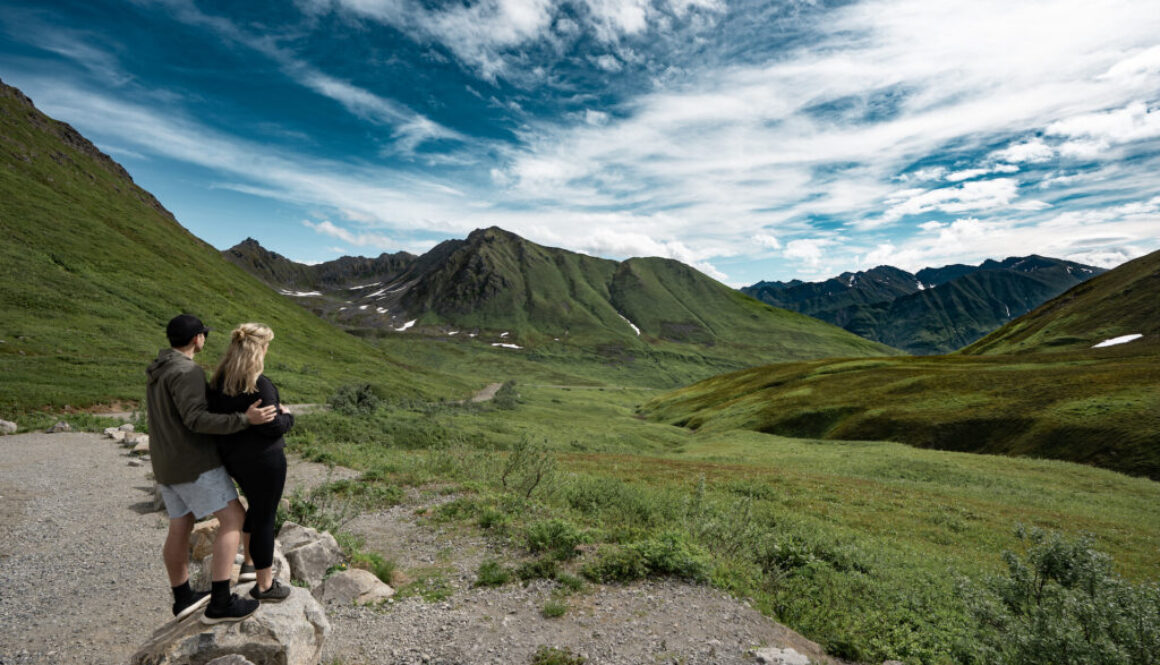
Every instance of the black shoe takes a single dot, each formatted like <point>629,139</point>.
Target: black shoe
<point>237,609</point>
<point>196,602</point>
<point>275,593</point>
<point>247,573</point>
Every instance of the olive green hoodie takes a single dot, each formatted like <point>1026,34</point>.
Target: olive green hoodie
<point>180,425</point>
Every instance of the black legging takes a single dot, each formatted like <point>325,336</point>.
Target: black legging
<point>262,478</point>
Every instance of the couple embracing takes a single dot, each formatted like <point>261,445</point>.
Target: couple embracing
<point>199,438</point>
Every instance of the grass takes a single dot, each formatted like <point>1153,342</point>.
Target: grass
<point>1099,407</point>
<point>858,545</point>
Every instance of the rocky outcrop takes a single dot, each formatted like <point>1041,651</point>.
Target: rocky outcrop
<point>357,586</point>
<point>775,656</point>
<point>290,632</point>
<point>310,552</point>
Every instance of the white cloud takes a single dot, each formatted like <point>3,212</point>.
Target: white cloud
<point>595,117</point>
<point>609,63</point>
<point>1031,151</point>
<point>807,250</point>
<point>376,240</point>
<point>970,196</point>
<point>1133,122</point>
<point>767,241</point>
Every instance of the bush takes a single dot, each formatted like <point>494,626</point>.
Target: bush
<point>528,465</point>
<point>506,397</point>
<point>355,399</point>
<point>383,569</point>
<point>539,569</point>
<point>1062,603</point>
<point>554,609</point>
<point>553,656</point>
<point>668,554</point>
<point>492,573</point>
<point>556,536</point>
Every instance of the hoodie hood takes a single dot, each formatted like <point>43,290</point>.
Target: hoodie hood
<point>164,361</point>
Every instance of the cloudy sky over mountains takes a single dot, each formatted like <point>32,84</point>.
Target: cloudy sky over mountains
<point>754,140</point>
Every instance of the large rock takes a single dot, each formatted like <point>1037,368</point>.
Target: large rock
<point>127,427</point>
<point>290,632</point>
<point>8,427</point>
<point>201,540</point>
<point>353,586</point>
<point>142,445</point>
<point>115,433</point>
<point>775,656</point>
<point>311,553</point>
<point>201,572</point>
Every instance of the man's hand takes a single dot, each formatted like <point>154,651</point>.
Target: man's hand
<point>260,415</point>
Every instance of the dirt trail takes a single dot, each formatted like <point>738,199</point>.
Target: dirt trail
<point>81,580</point>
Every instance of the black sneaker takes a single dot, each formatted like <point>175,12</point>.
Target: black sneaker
<point>237,609</point>
<point>196,602</point>
<point>247,573</point>
<point>275,593</point>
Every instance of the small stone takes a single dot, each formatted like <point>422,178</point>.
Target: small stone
<point>775,656</point>
<point>60,426</point>
<point>136,462</point>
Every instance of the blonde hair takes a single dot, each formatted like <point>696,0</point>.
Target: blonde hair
<point>242,364</point>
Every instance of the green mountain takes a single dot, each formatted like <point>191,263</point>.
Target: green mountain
<point>936,310</point>
<point>1097,406</point>
<point>279,271</point>
<point>499,288</point>
<point>1119,303</point>
<point>92,267</point>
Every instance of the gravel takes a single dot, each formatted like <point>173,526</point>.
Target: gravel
<point>81,581</point>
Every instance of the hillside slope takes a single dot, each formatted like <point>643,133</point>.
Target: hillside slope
<point>1124,301</point>
<point>93,266</point>
<point>499,288</point>
<point>936,310</point>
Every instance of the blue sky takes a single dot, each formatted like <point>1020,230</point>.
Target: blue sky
<point>753,140</point>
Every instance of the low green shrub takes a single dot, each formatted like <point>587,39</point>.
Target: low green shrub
<point>666,555</point>
<point>382,568</point>
<point>355,399</point>
<point>537,569</point>
<point>554,609</point>
<point>492,573</point>
<point>1061,602</point>
<point>556,536</point>
<point>546,655</point>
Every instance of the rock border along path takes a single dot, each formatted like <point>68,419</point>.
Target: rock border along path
<point>81,581</point>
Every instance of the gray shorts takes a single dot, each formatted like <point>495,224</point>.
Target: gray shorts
<point>211,492</point>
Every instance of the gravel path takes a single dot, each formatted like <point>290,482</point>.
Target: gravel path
<point>81,581</point>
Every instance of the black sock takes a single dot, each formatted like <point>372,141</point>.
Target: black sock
<point>182,593</point>
<point>219,594</point>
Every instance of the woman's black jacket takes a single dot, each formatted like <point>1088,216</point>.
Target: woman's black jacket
<point>255,439</point>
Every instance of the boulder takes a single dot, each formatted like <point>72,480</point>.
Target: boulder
<point>201,540</point>
<point>359,586</point>
<point>310,552</point>
<point>127,427</point>
<point>232,659</point>
<point>60,426</point>
<point>201,572</point>
<point>8,427</point>
<point>775,656</point>
<point>290,632</point>
<point>142,447</point>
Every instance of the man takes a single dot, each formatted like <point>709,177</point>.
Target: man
<point>191,476</point>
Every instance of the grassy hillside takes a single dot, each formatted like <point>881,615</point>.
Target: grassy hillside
<point>1120,302</point>
<point>859,545</point>
<point>1100,407</point>
<point>92,267</point>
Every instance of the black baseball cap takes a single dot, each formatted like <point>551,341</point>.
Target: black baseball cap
<point>183,328</point>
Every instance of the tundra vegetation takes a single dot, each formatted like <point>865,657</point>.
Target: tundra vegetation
<point>876,550</point>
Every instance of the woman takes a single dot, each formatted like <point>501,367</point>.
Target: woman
<point>253,456</point>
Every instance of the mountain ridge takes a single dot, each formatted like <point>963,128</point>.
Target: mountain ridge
<point>933,311</point>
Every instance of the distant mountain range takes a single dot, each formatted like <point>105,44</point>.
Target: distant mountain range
<point>508,291</point>
<point>935,310</point>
